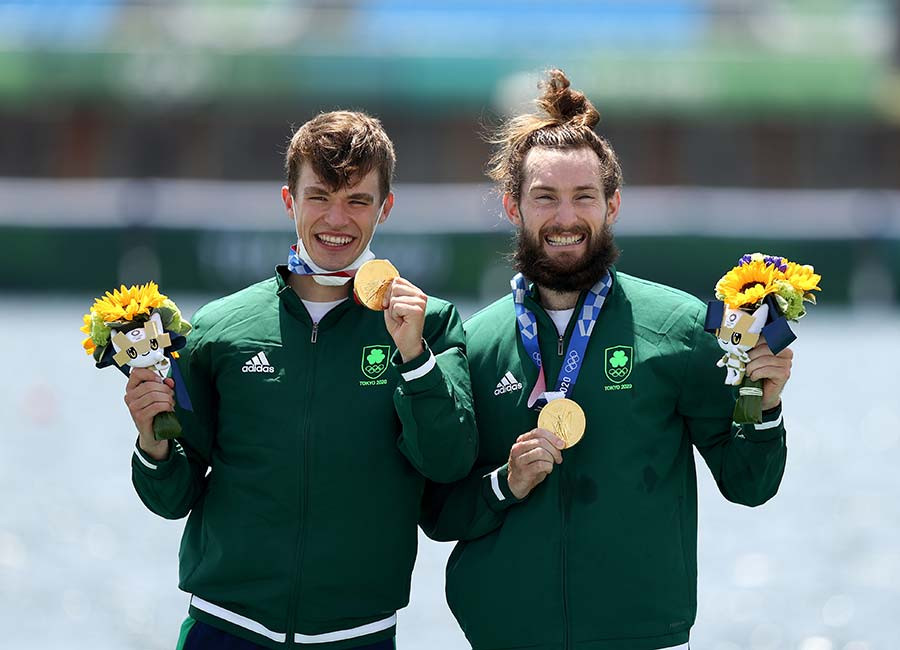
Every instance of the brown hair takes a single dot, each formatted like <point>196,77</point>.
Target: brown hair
<point>567,121</point>
<point>342,147</point>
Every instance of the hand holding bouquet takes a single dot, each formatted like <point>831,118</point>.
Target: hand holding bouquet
<point>139,327</point>
<point>757,298</point>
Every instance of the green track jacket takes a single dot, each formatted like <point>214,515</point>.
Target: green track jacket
<point>302,465</point>
<point>603,554</point>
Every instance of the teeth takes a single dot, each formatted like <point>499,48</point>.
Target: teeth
<point>336,241</point>
<point>565,241</point>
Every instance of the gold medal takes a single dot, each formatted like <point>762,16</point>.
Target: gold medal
<point>564,418</point>
<point>372,281</point>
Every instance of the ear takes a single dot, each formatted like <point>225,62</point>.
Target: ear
<point>288,201</point>
<point>759,319</point>
<point>156,319</point>
<point>511,208</point>
<point>388,206</point>
<point>613,204</point>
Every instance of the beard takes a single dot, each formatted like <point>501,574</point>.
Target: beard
<point>565,274</point>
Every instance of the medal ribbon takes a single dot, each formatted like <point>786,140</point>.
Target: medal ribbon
<point>528,332</point>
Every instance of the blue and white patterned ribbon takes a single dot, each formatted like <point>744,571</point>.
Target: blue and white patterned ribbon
<point>572,362</point>
<point>298,266</point>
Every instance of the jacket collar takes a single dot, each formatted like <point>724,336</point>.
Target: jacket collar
<point>544,317</point>
<point>295,307</point>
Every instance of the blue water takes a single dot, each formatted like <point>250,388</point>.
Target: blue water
<point>84,565</point>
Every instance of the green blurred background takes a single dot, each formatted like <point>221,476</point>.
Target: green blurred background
<point>145,139</point>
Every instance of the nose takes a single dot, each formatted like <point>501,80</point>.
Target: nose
<point>336,217</point>
<point>565,215</point>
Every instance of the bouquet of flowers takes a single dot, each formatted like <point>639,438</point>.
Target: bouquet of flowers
<point>139,327</point>
<point>757,297</point>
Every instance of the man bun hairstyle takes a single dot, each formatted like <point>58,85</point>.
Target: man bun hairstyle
<point>565,105</point>
<point>566,121</point>
<point>341,147</point>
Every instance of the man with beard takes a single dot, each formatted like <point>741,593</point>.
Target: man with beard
<point>590,547</point>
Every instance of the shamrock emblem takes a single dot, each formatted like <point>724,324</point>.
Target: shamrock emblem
<point>618,359</point>
<point>375,357</point>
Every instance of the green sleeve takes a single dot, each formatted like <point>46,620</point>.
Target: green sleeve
<point>468,509</point>
<point>433,400</point>
<point>746,461</point>
<point>172,486</point>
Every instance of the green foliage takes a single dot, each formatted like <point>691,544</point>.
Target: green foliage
<point>171,318</point>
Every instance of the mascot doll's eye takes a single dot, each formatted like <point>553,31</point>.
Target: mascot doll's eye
<point>154,344</point>
<point>736,338</point>
<point>132,353</point>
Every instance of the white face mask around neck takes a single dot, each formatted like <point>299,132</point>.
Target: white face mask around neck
<point>318,273</point>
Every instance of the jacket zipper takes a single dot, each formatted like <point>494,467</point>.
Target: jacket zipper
<point>563,508</point>
<point>563,536</point>
<point>304,494</point>
<point>563,544</point>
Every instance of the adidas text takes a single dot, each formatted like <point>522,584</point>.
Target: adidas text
<point>257,368</point>
<point>507,384</point>
<point>507,389</point>
<point>259,363</point>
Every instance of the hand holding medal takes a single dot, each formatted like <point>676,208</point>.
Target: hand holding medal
<point>379,287</point>
<point>531,459</point>
<point>373,282</point>
<point>565,419</point>
<point>561,423</point>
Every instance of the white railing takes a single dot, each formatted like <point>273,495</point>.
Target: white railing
<point>445,208</point>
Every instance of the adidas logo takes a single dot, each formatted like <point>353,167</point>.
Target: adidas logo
<point>507,384</point>
<point>259,363</point>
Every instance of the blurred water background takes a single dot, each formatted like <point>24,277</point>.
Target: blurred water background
<point>143,140</point>
<point>84,565</point>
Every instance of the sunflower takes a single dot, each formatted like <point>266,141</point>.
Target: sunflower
<point>802,277</point>
<point>88,344</point>
<point>746,285</point>
<point>126,304</point>
<point>119,306</point>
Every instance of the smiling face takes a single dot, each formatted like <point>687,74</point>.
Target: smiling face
<point>141,347</point>
<point>335,225</point>
<point>564,219</point>
<point>740,331</point>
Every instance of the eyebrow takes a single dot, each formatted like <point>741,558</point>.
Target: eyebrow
<point>580,188</point>
<point>318,190</point>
